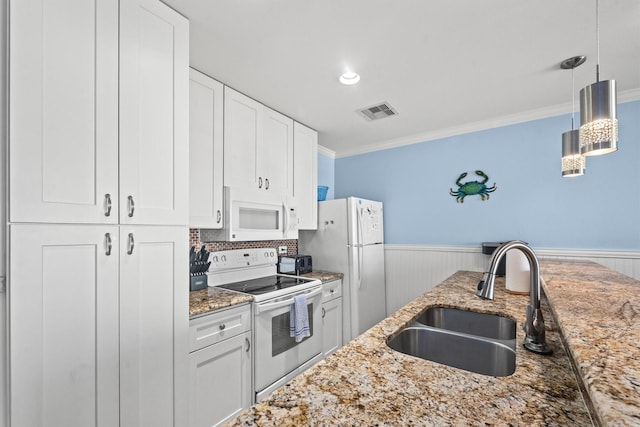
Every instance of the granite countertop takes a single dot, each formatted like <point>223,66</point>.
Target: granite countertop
<point>367,383</point>
<point>598,310</point>
<point>323,276</point>
<point>206,301</point>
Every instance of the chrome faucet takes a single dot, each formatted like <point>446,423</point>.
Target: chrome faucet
<point>534,339</point>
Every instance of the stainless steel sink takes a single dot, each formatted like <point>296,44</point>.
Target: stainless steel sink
<point>469,322</point>
<point>468,352</point>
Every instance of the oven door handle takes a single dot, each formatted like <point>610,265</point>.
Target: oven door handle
<point>261,308</point>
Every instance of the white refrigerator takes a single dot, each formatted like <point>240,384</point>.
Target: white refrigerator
<point>350,240</point>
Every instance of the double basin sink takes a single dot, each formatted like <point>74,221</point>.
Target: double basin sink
<point>477,342</point>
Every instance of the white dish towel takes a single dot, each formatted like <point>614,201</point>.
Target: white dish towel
<point>299,325</point>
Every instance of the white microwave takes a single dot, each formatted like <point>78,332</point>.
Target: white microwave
<point>256,215</point>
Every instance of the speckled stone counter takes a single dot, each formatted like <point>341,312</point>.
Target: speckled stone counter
<point>323,276</point>
<point>205,301</point>
<point>367,383</point>
<point>599,312</point>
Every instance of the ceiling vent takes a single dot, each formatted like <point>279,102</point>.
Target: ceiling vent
<point>379,111</point>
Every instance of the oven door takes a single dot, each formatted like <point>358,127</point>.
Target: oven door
<point>276,352</point>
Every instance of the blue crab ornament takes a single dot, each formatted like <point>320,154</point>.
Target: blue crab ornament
<point>472,187</point>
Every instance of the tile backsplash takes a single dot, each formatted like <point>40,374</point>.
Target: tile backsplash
<point>194,240</point>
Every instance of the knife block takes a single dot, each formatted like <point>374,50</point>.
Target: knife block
<point>198,282</point>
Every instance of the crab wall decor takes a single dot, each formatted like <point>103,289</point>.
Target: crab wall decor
<point>472,187</point>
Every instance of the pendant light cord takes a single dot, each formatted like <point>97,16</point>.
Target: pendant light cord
<point>597,43</point>
<point>573,96</point>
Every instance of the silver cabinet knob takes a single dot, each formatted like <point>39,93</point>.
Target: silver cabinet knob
<point>108,243</point>
<point>107,203</point>
<point>131,244</point>
<point>132,206</point>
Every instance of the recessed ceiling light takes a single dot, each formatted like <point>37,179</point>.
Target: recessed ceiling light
<point>349,78</point>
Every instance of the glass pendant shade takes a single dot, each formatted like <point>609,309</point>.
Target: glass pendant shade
<point>573,163</point>
<point>598,122</point>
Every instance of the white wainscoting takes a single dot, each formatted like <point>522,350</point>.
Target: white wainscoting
<point>411,270</point>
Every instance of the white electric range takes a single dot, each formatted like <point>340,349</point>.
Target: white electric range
<point>277,356</point>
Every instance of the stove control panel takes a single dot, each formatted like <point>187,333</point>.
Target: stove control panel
<point>239,258</point>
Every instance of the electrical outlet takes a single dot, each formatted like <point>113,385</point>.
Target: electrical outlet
<point>282,250</point>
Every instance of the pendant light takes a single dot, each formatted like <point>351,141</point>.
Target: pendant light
<point>598,122</point>
<point>573,163</point>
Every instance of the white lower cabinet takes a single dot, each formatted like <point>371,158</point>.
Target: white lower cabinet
<point>98,325</point>
<point>331,316</point>
<point>63,336</point>
<point>154,326</point>
<point>220,366</point>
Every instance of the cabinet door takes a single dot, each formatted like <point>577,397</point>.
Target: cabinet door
<point>305,176</point>
<point>243,120</point>
<point>220,381</point>
<point>154,326</point>
<point>154,114</point>
<point>63,67</point>
<point>63,299</point>
<point>275,154</point>
<point>205,151</point>
<point>331,326</point>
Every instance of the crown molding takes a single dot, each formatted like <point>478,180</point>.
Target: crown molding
<point>511,119</point>
<point>326,151</point>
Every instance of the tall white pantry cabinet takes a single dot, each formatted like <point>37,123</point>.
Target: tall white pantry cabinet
<point>98,213</point>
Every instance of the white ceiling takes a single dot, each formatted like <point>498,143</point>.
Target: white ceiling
<point>446,66</point>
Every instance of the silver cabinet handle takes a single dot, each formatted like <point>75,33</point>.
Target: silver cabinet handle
<point>219,216</point>
<point>131,244</point>
<point>323,312</point>
<point>222,326</point>
<point>109,245</point>
<point>259,182</point>
<point>266,183</point>
<point>132,206</point>
<point>248,343</point>
<point>107,200</point>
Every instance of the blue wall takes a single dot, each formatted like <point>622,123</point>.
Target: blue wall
<point>600,210</point>
<point>326,174</point>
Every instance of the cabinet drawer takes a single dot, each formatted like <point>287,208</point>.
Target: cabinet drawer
<point>331,290</point>
<point>218,326</point>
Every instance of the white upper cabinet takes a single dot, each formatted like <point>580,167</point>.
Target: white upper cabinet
<point>275,154</point>
<point>205,151</point>
<point>258,146</point>
<point>305,176</point>
<point>154,114</point>
<point>99,112</point>
<point>243,119</point>
<point>63,65</point>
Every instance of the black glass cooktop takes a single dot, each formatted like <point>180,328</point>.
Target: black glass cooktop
<point>264,285</point>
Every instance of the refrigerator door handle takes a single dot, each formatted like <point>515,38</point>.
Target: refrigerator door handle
<point>359,244</point>
<point>360,264</point>
<point>360,236</point>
